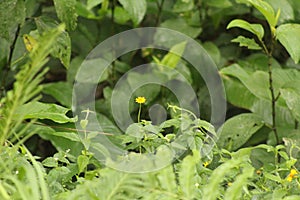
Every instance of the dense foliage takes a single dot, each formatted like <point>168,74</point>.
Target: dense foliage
<point>51,148</point>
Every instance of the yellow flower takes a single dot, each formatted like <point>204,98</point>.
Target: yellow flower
<point>293,174</point>
<point>205,164</point>
<point>140,100</point>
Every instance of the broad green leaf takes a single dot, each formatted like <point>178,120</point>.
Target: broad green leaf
<point>121,15</point>
<point>62,47</point>
<point>257,82</point>
<point>61,91</point>
<point>87,69</point>
<point>219,3</point>
<point>12,13</point>
<point>286,10</point>
<point>183,6</point>
<point>180,25</point>
<point>92,3</point>
<point>237,130</point>
<point>66,12</point>
<point>292,99</point>
<point>82,162</point>
<point>256,29</point>
<point>136,9</point>
<point>289,37</point>
<point>213,51</point>
<point>265,9</point>
<point>246,42</point>
<point>50,162</point>
<point>38,110</point>
<point>238,94</point>
<point>173,57</point>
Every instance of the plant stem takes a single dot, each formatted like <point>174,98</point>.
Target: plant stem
<point>139,113</point>
<point>160,7</point>
<point>273,98</point>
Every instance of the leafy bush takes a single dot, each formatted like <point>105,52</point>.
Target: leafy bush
<point>67,133</point>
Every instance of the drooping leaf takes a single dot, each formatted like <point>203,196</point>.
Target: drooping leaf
<point>66,12</point>
<point>136,9</point>
<point>61,91</point>
<point>246,42</point>
<point>38,110</point>
<point>256,29</point>
<point>289,37</point>
<point>12,13</point>
<point>265,9</point>
<point>92,3</point>
<point>173,57</point>
<point>256,83</point>
<point>286,10</point>
<point>237,130</point>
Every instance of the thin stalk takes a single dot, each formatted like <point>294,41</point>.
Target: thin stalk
<point>160,7</point>
<point>273,99</point>
<point>139,113</point>
<point>271,87</point>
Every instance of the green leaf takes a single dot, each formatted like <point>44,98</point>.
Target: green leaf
<point>289,37</point>
<point>272,177</point>
<point>219,3</point>
<point>265,9</point>
<point>136,9</point>
<point>50,162</point>
<point>183,6</point>
<point>62,47</point>
<point>286,10</point>
<point>292,99</point>
<point>92,3</point>
<point>82,162</point>
<point>246,42</point>
<point>66,12</point>
<point>237,130</point>
<point>213,51</point>
<point>12,13</point>
<point>38,110</point>
<point>188,174</point>
<point>235,190</point>
<point>173,57</point>
<point>167,179</point>
<point>256,29</point>
<point>61,91</point>
<point>257,82</point>
<point>212,189</point>
<point>180,25</point>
